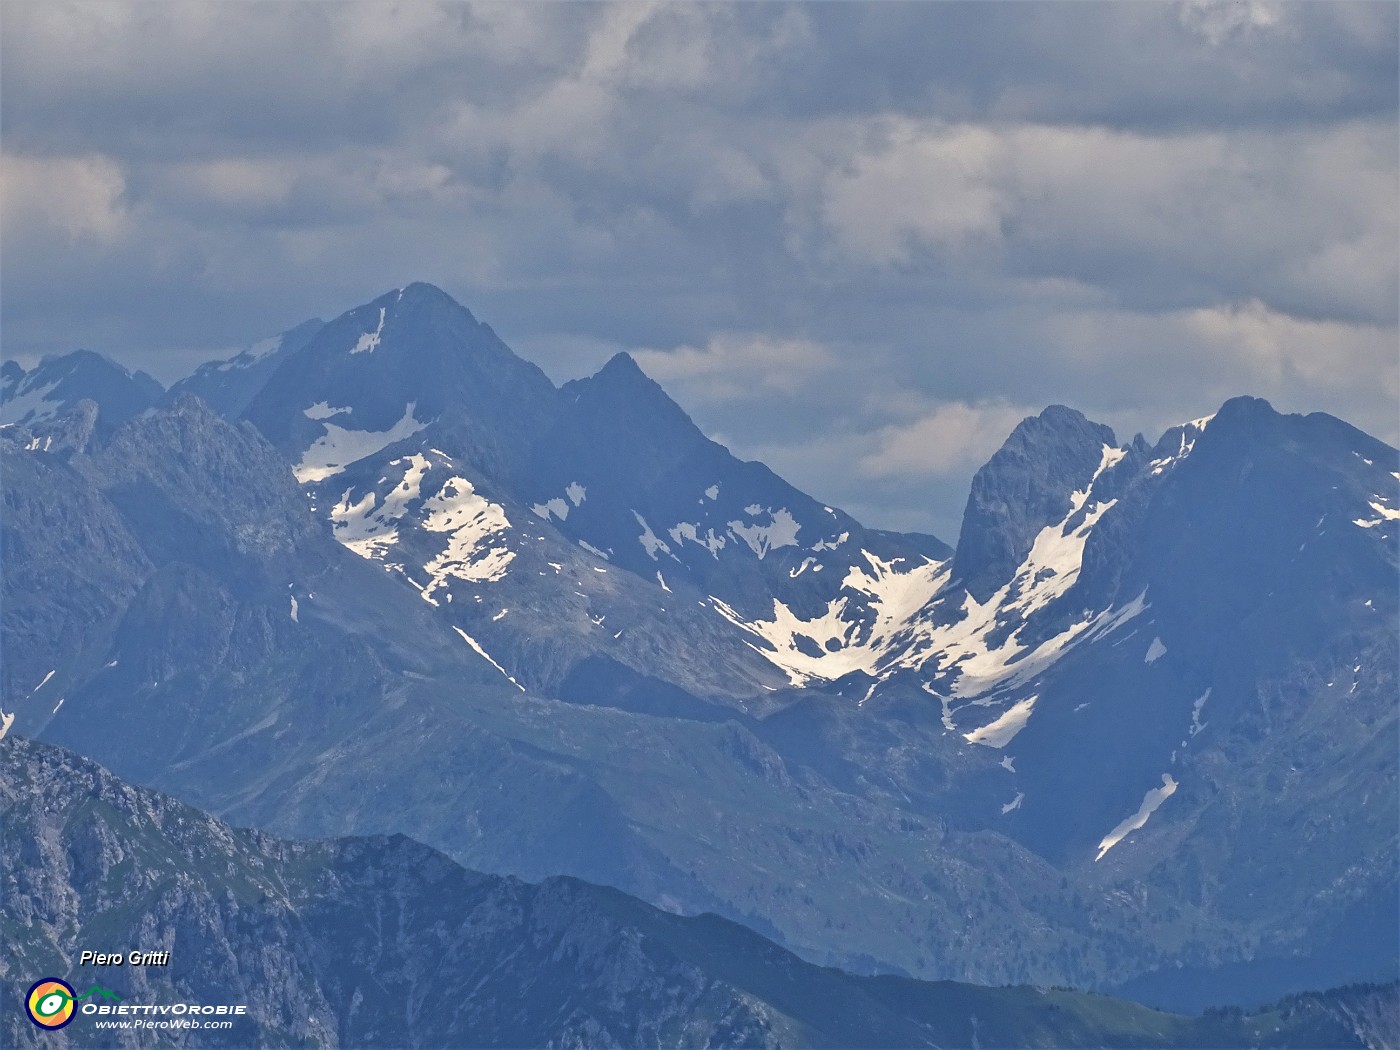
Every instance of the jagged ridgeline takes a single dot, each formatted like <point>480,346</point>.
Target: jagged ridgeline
<point>380,941</point>
<point>379,576</point>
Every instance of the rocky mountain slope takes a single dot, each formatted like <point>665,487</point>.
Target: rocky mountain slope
<point>1138,728</point>
<point>56,385</point>
<point>383,942</point>
<point>228,386</point>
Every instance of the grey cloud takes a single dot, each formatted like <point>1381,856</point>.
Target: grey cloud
<point>867,219</point>
<point>1145,66</point>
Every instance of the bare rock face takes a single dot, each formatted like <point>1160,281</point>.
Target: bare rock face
<point>1026,485</point>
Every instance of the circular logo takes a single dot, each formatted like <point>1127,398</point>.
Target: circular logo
<point>50,1003</point>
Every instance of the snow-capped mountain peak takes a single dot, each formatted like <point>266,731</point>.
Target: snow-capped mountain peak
<point>56,384</point>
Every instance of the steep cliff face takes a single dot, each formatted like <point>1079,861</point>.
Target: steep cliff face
<point>1024,487</point>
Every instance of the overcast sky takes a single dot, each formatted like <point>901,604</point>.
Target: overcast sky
<point>857,241</point>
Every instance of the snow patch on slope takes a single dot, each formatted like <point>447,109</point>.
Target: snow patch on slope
<point>475,527</point>
<point>369,526</point>
<point>556,507</point>
<point>891,590</point>
<point>487,657</point>
<point>1190,431</point>
<point>967,647</point>
<point>339,446</point>
<point>370,340</point>
<point>323,410</point>
<point>1196,724</point>
<point>30,405</point>
<point>650,542</point>
<point>1150,801</point>
<point>686,531</point>
<point>974,655</point>
<point>781,531</point>
<point>1000,732</point>
<point>476,550</point>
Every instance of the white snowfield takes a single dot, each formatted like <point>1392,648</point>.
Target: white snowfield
<point>476,529</point>
<point>1190,432</point>
<point>340,446</point>
<point>487,656</point>
<point>1383,513</point>
<point>686,531</point>
<point>369,526</point>
<point>1196,708</point>
<point>1150,801</point>
<point>963,655</point>
<point>895,592</point>
<point>1000,732</point>
<point>555,507</point>
<point>30,405</point>
<point>766,530</point>
<point>367,342</point>
<point>559,506</point>
<point>781,530</point>
<point>324,410</point>
<point>649,540</point>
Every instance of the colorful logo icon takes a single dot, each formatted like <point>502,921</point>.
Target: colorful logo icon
<point>50,1003</point>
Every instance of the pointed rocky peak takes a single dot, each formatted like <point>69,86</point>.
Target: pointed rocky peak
<point>185,435</point>
<point>411,353</point>
<point>1175,445</point>
<point>1315,470</point>
<point>182,463</point>
<point>420,295</point>
<point>1245,410</point>
<point>419,322</point>
<point>57,384</point>
<point>622,367</point>
<point>1248,426</point>
<point>1059,423</point>
<point>398,321</point>
<point>621,385</point>
<point>192,408</point>
<point>229,385</point>
<point>621,423</point>
<point>1028,483</point>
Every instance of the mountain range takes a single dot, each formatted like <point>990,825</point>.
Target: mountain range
<point>378,576</point>
<point>382,942</point>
